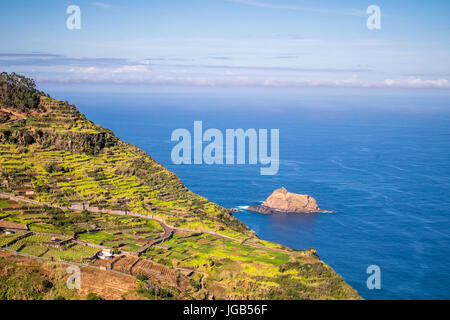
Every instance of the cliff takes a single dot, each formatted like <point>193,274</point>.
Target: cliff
<point>52,154</point>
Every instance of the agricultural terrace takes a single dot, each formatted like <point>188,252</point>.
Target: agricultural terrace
<point>228,265</point>
<point>114,231</point>
<point>196,250</point>
<point>64,178</point>
<point>51,153</point>
<point>56,156</point>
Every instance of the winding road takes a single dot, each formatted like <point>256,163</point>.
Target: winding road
<point>168,229</point>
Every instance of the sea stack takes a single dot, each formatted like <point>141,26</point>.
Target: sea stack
<point>282,201</point>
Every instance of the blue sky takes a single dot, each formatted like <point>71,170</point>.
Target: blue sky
<point>230,43</point>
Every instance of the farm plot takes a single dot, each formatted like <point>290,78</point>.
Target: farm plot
<point>43,227</point>
<point>35,239</point>
<point>128,224</point>
<point>198,250</point>
<point>40,245</point>
<point>123,241</point>
<point>16,246</point>
<point>7,238</point>
<point>73,253</point>
<point>34,250</point>
<point>4,204</point>
<point>147,231</point>
<point>32,245</point>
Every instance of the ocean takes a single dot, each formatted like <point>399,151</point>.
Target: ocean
<point>380,160</point>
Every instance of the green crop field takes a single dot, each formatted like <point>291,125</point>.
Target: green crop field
<point>6,238</point>
<point>97,237</point>
<point>54,155</point>
<point>193,250</point>
<point>74,253</point>
<point>34,250</point>
<point>35,238</point>
<point>4,204</point>
<point>127,243</point>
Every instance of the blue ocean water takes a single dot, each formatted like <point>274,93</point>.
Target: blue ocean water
<point>380,161</point>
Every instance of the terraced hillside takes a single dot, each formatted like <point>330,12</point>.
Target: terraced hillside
<point>53,152</point>
<point>63,176</point>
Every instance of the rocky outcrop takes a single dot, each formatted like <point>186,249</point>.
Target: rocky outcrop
<point>283,201</point>
<point>77,142</point>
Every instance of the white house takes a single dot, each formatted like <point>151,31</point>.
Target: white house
<point>106,254</point>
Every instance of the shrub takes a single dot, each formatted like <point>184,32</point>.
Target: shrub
<point>47,284</point>
<point>93,296</point>
<point>28,139</point>
<point>142,277</point>
<point>6,133</point>
<point>18,92</point>
<point>54,167</point>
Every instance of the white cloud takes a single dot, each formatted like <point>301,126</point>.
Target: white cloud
<point>107,70</point>
<point>84,70</point>
<point>416,82</point>
<point>135,68</point>
<point>134,75</point>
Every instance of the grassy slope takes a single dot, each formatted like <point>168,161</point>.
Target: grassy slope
<point>65,158</point>
<point>26,281</point>
<point>117,175</point>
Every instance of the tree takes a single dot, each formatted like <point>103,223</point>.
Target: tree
<point>142,277</point>
<point>18,92</point>
<point>47,284</point>
<point>28,139</point>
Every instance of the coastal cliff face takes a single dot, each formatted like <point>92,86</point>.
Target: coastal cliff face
<point>52,154</point>
<point>283,201</point>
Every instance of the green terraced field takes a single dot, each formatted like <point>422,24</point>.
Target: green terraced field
<point>192,251</point>
<point>57,156</point>
<point>43,227</point>
<point>4,204</point>
<point>96,237</point>
<point>35,238</point>
<point>127,243</point>
<point>75,253</point>
<point>15,246</point>
<point>6,238</point>
<point>34,250</point>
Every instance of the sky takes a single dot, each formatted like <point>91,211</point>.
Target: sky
<point>229,43</point>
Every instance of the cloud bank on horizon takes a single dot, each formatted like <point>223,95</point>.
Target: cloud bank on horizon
<point>229,43</point>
